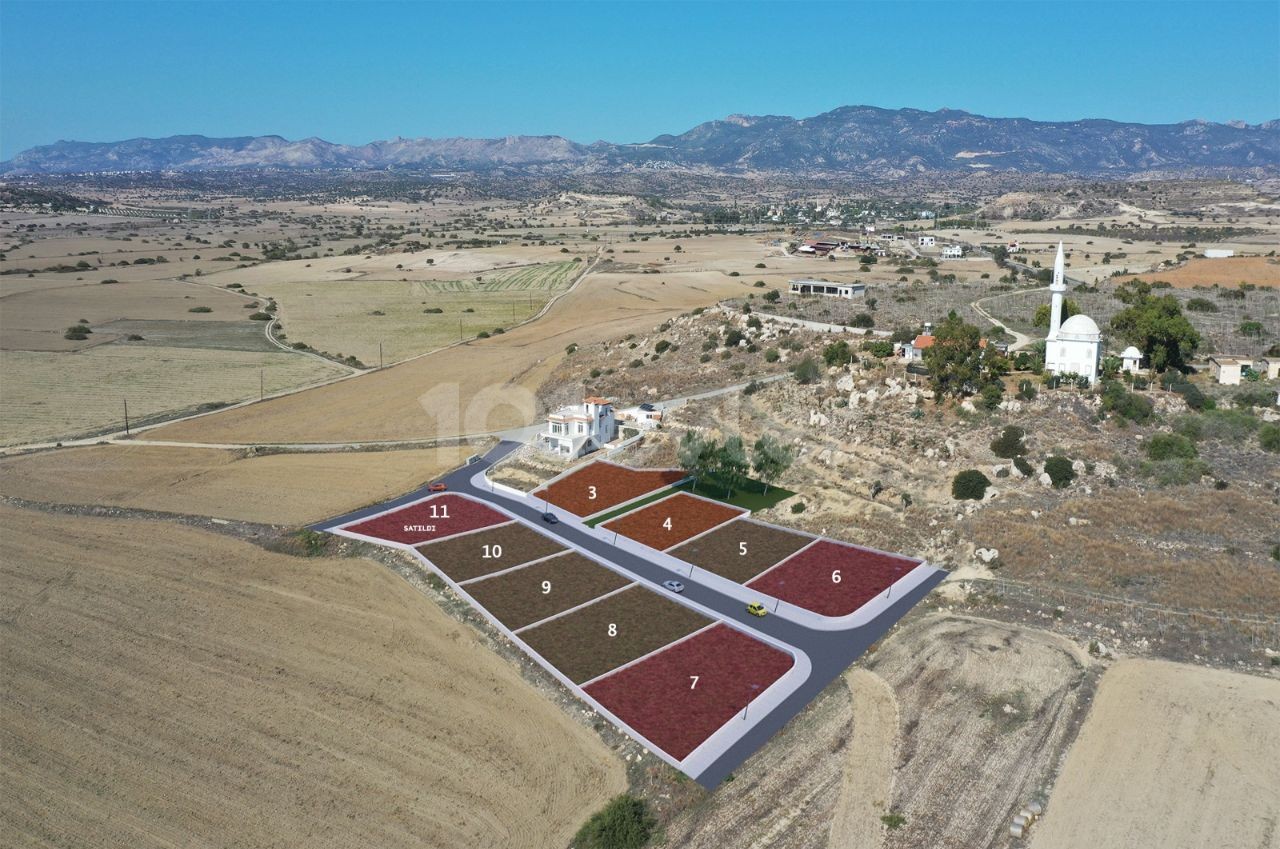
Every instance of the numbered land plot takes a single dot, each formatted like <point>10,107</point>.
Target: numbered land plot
<point>673,520</point>
<point>617,629</point>
<point>741,549</point>
<point>600,486</point>
<point>833,579</point>
<point>487,551</point>
<point>531,593</point>
<point>434,518</point>
<point>680,696</point>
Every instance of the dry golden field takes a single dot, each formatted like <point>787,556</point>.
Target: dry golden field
<point>1230,271</point>
<point>164,686</point>
<point>1171,756</point>
<point>482,386</point>
<point>50,395</point>
<point>279,489</point>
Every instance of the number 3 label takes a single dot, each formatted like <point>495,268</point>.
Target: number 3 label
<point>591,493</point>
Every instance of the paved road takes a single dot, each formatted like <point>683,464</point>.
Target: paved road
<point>829,652</point>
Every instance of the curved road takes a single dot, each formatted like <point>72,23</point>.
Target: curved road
<point>829,652</point>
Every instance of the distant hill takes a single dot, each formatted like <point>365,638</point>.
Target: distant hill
<point>863,140</point>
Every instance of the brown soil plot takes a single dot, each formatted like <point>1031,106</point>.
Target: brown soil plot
<point>741,550</point>
<point>484,552</point>
<point>602,636</point>
<point>532,593</point>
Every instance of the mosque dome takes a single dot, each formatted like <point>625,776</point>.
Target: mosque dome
<point>1131,353</point>
<point>1080,327</point>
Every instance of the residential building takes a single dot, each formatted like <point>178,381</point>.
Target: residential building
<point>579,429</point>
<point>926,241</point>
<point>1228,370</point>
<point>952,252</point>
<point>824,287</point>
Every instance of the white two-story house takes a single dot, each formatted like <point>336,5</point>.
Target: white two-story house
<point>580,428</point>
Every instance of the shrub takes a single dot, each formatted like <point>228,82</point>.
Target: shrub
<point>837,353</point>
<point>433,310</point>
<point>635,363</point>
<point>1202,305</point>
<point>1059,470</point>
<point>662,346</point>
<point>1021,464</point>
<point>571,348</point>
<point>1269,438</point>
<point>260,316</point>
<point>1116,399</point>
<point>201,309</point>
<point>483,334</point>
<point>1167,446</point>
<point>733,337</point>
<point>1009,443</point>
<point>1027,390</point>
<point>863,320</point>
<point>1177,471</point>
<point>992,394</point>
<point>760,265</point>
<point>133,337</point>
<point>624,823</point>
<point>806,371</point>
<point>798,507</point>
<point>1254,398</point>
<point>705,358</point>
<point>1195,399</point>
<point>969,485</point>
<point>893,821</point>
<point>771,355</point>
<point>752,388</point>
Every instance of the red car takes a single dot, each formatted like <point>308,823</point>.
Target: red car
<point>437,487</point>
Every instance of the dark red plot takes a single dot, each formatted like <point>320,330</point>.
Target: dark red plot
<point>833,579</point>
<point>436,518</point>
<point>661,700</point>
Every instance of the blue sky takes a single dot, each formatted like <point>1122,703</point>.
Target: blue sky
<point>353,72</point>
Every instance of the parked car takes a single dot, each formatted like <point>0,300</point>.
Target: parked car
<point>674,586</point>
<point>755,608</point>
<point>437,487</point>
<point>550,518</point>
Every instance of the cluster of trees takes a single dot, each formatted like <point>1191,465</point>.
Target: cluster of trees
<point>959,365</point>
<point>728,462</point>
<point>1156,325</point>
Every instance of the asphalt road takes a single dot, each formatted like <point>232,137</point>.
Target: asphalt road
<point>830,652</point>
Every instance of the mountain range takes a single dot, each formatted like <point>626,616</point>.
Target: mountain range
<point>855,140</point>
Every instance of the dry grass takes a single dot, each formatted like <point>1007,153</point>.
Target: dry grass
<point>1231,271</point>
<point>1193,547</point>
<point>165,686</point>
<point>1174,756</point>
<point>478,387</point>
<point>283,489</point>
<point>51,396</point>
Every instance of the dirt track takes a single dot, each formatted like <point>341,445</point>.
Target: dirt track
<point>481,386</point>
<point>1171,756</point>
<point>164,686</point>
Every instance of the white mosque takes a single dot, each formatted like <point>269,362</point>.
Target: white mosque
<point>1072,346</point>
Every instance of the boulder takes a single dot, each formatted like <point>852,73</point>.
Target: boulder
<point>1045,480</point>
<point>986,555</point>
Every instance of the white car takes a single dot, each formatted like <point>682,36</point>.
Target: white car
<point>674,586</point>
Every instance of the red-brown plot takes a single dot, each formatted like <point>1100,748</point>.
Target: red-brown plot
<point>613,631</point>
<point>672,520</point>
<point>599,486</point>
<point>532,593</point>
<point>741,549</point>
<point>678,697</point>
<point>435,518</point>
<point>833,579</point>
<point>483,552</point>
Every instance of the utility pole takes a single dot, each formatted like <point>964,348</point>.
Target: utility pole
<point>379,355</point>
<point>126,416</point>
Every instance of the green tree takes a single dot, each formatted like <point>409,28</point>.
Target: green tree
<point>1156,325</point>
<point>770,459</point>
<point>954,359</point>
<point>837,353</point>
<point>696,455</point>
<point>1009,443</point>
<point>732,463</point>
<point>1044,312</point>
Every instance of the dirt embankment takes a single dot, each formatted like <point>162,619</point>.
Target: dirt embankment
<point>164,686</point>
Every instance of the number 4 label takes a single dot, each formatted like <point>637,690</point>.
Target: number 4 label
<point>667,523</point>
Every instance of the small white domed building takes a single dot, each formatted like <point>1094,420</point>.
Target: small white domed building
<point>1131,360</point>
<point>1073,346</point>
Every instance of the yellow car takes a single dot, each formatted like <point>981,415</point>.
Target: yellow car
<point>755,608</point>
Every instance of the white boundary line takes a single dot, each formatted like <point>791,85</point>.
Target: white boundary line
<point>647,655</point>
<point>808,545</point>
<point>723,524</point>
<point>578,607</point>
<point>477,579</point>
<point>798,673</point>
